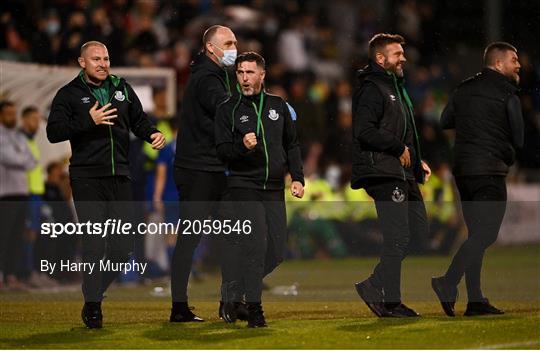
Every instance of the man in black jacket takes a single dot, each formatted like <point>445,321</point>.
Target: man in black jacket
<point>95,112</point>
<point>198,173</point>
<point>256,139</point>
<point>387,164</point>
<point>486,114</point>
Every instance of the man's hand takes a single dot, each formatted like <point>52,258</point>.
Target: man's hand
<point>297,189</point>
<point>426,169</point>
<point>102,115</point>
<point>405,158</point>
<point>250,141</point>
<point>158,141</point>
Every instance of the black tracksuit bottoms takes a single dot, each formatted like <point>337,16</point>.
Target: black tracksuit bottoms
<point>200,194</point>
<point>97,200</point>
<point>402,216</point>
<point>248,258</point>
<point>483,201</point>
<point>13,211</point>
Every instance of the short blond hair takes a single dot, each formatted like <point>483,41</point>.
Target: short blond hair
<point>90,43</point>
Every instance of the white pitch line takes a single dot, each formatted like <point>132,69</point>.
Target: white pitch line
<point>508,345</point>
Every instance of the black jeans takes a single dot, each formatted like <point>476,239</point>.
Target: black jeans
<point>401,214</point>
<point>199,193</point>
<point>96,200</point>
<point>483,201</point>
<point>13,210</point>
<point>248,258</point>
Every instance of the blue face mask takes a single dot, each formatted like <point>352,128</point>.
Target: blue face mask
<point>229,56</point>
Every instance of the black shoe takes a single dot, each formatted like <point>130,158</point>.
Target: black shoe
<point>256,316</point>
<point>373,298</point>
<point>91,315</point>
<point>241,310</point>
<point>401,311</point>
<point>181,313</point>
<point>446,293</point>
<point>227,311</point>
<point>481,308</point>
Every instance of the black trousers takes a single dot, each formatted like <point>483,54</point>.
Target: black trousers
<point>483,201</point>
<point>199,193</point>
<point>13,210</point>
<point>248,258</point>
<point>401,214</point>
<point>96,200</point>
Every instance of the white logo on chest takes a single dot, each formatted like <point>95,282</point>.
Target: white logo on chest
<point>85,100</point>
<point>119,96</point>
<point>273,115</point>
<point>244,119</point>
<point>392,97</point>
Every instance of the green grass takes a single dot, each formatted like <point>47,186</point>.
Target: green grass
<point>326,314</point>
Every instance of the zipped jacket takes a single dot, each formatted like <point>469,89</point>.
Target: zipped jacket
<point>97,150</point>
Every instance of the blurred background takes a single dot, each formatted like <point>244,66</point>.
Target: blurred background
<point>312,49</point>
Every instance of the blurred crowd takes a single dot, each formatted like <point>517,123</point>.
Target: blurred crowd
<point>312,49</point>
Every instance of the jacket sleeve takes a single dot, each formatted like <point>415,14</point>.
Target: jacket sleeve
<point>447,116</point>
<point>368,108</point>
<point>18,155</point>
<point>211,92</point>
<point>515,120</point>
<point>62,123</point>
<point>228,147</point>
<point>292,148</point>
<point>139,123</point>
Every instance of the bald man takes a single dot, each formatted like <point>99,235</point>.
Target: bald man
<point>95,112</point>
<point>198,173</point>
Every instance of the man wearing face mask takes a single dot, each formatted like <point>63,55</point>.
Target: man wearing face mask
<point>256,138</point>
<point>198,173</point>
<point>486,114</point>
<point>387,164</point>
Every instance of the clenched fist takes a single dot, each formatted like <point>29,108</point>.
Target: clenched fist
<point>250,141</point>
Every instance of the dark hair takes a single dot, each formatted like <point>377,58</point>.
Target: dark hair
<point>494,49</point>
<point>380,40</point>
<point>28,110</point>
<point>209,34</point>
<point>250,56</point>
<point>5,103</point>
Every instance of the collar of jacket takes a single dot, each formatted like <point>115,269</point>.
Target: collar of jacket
<point>500,78</point>
<point>114,80</point>
<point>202,61</point>
<point>374,68</point>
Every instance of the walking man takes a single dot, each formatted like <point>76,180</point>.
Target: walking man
<point>95,112</point>
<point>486,114</point>
<point>387,163</point>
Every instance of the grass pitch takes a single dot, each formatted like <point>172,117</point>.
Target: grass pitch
<point>326,313</point>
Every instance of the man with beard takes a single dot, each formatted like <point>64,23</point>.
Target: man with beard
<point>95,112</point>
<point>387,164</point>
<point>198,173</point>
<point>486,114</point>
<point>256,138</point>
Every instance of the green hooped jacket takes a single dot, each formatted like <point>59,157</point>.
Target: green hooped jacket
<point>97,150</point>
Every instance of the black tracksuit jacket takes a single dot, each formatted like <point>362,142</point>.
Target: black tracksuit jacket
<point>97,150</point>
<point>486,113</point>
<point>277,150</point>
<point>383,124</point>
<point>207,87</point>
